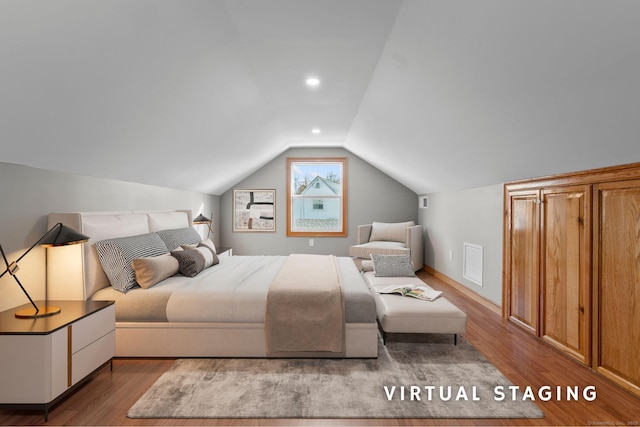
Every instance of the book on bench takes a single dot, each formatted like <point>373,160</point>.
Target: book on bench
<point>420,292</point>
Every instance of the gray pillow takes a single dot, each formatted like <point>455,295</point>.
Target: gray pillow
<point>179,236</point>
<point>116,255</point>
<point>193,261</point>
<point>392,265</point>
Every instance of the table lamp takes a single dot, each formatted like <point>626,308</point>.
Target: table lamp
<point>201,219</point>
<point>58,235</point>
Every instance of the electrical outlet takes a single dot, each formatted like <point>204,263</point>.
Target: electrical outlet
<point>311,242</point>
<point>450,255</point>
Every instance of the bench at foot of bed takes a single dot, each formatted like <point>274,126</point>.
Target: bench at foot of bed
<point>398,314</point>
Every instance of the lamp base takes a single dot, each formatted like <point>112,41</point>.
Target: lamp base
<point>30,313</point>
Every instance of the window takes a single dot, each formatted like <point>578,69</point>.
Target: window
<point>317,196</point>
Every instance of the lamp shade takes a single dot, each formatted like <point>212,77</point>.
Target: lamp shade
<point>62,235</point>
<point>201,219</point>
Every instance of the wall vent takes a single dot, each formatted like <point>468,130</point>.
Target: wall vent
<point>423,202</point>
<point>472,263</point>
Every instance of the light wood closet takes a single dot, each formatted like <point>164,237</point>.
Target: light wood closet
<point>572,266</point>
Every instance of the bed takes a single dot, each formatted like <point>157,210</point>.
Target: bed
<point>221,312</point>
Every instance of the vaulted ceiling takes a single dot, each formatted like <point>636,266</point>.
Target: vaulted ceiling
<point>439,94</point>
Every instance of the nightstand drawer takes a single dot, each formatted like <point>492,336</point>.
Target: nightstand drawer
<point>92,356</point>
<point>91,328</point>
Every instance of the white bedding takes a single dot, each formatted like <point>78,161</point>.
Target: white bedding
<point>234,291</point>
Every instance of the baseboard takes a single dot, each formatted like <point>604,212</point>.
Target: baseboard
<point>464,290</point>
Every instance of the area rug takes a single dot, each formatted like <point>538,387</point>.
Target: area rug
<point>431,379</point>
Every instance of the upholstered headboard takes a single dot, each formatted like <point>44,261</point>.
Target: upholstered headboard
<point>87,277</point>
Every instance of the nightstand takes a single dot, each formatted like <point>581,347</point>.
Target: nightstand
<point>42,360</point>
<point>224,252</point>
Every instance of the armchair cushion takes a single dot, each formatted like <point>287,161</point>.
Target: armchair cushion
<point>389,239</point>
<point>390,232</point>
<point>384,248</point>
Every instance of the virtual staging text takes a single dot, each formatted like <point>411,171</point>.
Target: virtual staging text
<point>498,393</point>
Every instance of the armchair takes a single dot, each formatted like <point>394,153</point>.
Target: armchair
<point>389,239</point>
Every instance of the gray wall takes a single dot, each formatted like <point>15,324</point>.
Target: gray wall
<point>473,216</point>
<point>372,196</point>
<point>28,195</point>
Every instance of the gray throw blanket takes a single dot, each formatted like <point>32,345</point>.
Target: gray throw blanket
<point>305,307</point>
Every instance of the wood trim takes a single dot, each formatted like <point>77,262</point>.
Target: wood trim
<point>506,245</point>
<point>595,276</point>
<point>590,176</point>
<point>464,290</point>
<point>69,355</point>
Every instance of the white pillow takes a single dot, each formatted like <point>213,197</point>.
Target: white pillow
<point>167,220</point>
<point>208,244</point>
<point>389,232</point>
<point>152,270</point>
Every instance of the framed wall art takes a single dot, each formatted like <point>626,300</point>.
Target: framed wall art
<point>254,210</point>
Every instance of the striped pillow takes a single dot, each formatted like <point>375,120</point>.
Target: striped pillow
<point>179,236</point>
<point>116,255</point>
<point>193,261</point>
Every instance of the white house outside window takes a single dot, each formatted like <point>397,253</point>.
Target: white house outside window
<point>316,196</point>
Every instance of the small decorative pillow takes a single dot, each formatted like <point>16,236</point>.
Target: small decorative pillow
<point>209,244</point>
<point>152,270</point>
<point>179,236</point>
<point>389,232</point>
<point>366,265</point>
<point>392,265</point>
<point>116,255</point>
<point>193,261</point>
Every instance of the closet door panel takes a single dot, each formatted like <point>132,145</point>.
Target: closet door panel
<point>565,293</point>
<point>524,260</point>
<point>617,284</point>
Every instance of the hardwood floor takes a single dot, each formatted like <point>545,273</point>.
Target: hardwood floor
<point>525,360</point>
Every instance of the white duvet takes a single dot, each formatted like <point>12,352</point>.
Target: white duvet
<point>233,291</point>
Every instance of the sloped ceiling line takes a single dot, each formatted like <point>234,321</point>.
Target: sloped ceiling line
<point>438,94</point>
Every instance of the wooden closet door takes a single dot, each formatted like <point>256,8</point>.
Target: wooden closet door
<point>617,282</point>
<point>566,270</point>
<point>523,263</point>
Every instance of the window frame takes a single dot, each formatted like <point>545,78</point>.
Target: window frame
<point>300,163</point>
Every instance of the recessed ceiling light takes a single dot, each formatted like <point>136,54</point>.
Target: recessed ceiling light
<point>312,81</point>
<point>315,131</point>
